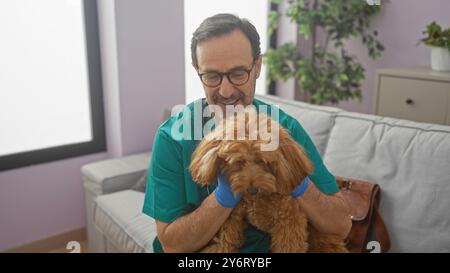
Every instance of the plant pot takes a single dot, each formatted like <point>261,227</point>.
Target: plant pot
<point>440,59</point>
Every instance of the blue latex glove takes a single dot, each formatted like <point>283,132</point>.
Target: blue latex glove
<point>224,194</point>
<point>301,189</point>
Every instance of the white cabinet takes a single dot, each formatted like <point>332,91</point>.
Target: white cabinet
<point>415,94</point>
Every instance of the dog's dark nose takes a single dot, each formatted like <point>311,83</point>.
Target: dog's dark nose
<point>252,190</point>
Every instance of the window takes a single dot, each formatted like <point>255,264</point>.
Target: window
<point>50,81</point>
<point>196,11</point>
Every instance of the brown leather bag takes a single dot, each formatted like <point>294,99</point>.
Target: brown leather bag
<point>363,198</point>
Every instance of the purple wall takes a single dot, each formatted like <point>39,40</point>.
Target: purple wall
<point>41,200</point>
<point>150,37</point>
<point>400,26</point>
<point>47,199</point>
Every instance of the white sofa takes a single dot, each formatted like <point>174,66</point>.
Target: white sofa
<point>410,161</point>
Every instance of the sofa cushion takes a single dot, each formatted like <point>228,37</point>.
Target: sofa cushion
<point>119,217</point>
<point>316,120</point>
<point>411,162</point>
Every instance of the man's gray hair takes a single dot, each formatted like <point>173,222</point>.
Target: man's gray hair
<point>221,24</point>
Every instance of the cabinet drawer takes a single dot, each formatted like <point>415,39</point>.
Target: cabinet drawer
<point>418,100</point>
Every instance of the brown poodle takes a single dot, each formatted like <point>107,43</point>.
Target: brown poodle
<point>265,179</point>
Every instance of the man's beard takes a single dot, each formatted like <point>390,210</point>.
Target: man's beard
<point>238,95</point>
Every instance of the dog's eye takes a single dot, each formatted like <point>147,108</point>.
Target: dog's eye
<point>259,161</point>
<point>263,161</point>
<point>233,160</point>
<point>272,167</point>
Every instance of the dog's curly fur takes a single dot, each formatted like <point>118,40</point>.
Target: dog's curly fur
<point>265,179</point>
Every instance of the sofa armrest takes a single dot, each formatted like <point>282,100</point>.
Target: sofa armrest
<point>115,174</point>
<point>107,176</point>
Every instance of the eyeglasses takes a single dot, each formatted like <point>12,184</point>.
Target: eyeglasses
<point>237,76</point>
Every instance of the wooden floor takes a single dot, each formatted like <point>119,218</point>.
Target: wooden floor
<point>83,249</point>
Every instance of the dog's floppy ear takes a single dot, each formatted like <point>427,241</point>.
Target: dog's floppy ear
<point>205,162</point>
<point>293,164</point>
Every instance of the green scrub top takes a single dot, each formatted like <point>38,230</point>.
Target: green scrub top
<point>171,192</point>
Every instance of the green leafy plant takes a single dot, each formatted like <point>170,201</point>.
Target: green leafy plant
<point>436,36</point>
<point>330,74</point>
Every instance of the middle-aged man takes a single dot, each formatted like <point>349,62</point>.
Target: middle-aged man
<point>227,57</point>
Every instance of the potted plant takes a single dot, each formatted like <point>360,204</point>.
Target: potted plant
<point>329,73</point>
<point>439,41</point>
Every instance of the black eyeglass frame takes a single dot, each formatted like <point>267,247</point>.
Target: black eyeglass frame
<point>248,71</point>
